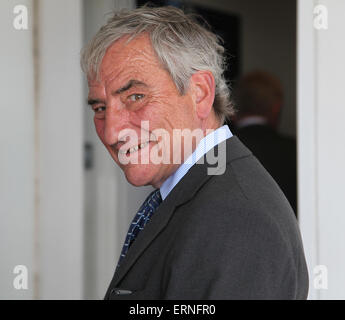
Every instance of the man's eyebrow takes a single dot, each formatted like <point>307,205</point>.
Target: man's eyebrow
<point>130,84</point>
<point>91,102</point>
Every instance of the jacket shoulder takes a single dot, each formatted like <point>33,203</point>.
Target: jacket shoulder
<point>240,229</point>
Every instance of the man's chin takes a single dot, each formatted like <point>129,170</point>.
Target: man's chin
<point>139,175</point>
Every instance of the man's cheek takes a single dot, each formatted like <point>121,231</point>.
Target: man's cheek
<point>99,126</point>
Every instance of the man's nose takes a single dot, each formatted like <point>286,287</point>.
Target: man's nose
<point>115,121</point>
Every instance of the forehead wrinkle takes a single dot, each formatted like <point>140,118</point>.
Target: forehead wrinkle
<point>138,52</point>
<point>135,64</point>
<point>135,70</point>
<point>136,60</point>
<point>117,82</point>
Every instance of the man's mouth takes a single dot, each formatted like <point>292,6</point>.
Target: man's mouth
<point>135,148</point>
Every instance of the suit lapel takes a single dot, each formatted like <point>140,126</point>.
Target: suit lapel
<point>157,223</point>
<point>185,190</point>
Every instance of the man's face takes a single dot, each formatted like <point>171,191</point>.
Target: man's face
<point>133,87</point>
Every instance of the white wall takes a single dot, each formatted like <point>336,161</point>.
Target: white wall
<point>321,148</point>
<point>61,137</point>
<point>17,153</point>
<point>41,150</point>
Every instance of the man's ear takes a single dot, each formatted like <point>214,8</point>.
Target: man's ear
<point>204,88</point>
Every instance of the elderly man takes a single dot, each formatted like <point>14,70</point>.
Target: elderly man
<point>216,227</point>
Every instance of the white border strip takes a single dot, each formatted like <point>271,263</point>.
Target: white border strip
<point>307,129</point>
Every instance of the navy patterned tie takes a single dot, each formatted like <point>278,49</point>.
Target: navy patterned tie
<point>140,220</point>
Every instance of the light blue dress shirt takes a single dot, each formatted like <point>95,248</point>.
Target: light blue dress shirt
<point>206,144</point>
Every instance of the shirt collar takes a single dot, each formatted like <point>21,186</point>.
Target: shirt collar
<point>207,143</point>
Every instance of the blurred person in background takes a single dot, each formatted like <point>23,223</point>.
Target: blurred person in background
<point>259,99</point>
<point>226,235</point>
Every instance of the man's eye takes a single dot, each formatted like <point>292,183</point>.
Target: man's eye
<point>99,109</point>
<point>135,97</point>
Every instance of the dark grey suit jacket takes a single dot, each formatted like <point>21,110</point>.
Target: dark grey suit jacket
<point>275,151</point>
<point>229,236</point>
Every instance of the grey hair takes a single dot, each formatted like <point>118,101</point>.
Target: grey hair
<point>182,45</point>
